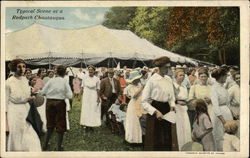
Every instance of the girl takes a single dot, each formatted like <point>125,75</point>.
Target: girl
<point>202,127</point>
<point>231,142</point>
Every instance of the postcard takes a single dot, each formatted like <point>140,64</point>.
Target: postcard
<point>44,44</point>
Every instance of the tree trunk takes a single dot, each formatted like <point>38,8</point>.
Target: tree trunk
<point>220,56</point>
<point>224,56</point>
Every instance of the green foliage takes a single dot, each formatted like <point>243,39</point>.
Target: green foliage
<point>204,33</point>
<point>119,17</point>
<point>150,23</point>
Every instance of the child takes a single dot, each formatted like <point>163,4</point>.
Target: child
<point>202,127</point>
<point>119,110</point>
<point>231,142</point>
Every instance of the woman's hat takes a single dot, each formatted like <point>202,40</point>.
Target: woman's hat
<point>134,75</point>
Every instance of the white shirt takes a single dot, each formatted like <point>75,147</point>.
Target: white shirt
<point>160,89</point>
<point>113,84</point>
<point>219,97</point>
<point>231,143</point>
<point>57,88</point>
<point>182,92</point>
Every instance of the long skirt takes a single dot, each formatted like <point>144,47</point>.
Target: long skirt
<point>182,125</point>
<point>218,129</point>
<point>158,132</point>
<point>22,136</point>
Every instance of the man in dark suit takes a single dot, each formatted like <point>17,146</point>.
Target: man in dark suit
<point>110,90</point>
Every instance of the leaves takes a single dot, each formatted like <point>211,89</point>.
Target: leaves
<point>189,31</point>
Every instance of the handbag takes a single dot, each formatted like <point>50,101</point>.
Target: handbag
<point>38,100</point>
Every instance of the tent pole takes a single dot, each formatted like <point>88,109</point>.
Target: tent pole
<point>49,61</point>
<point>115,61</point>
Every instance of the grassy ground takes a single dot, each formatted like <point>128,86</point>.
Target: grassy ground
<point>76,139</point>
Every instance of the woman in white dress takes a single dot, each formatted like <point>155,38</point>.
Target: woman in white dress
<point>182,120</point>
<point>234,97</point>
<point>220,111</point>
<point>133,131</point>
<point>91,108</point>
<point>22,136</point>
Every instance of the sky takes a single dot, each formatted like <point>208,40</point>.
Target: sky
<point>74,17</point>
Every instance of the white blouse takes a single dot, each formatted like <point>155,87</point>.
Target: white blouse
<point>219,97</point>
<point>17,91</point>
<point>182,92</point>
<point>160,89</point>
<point>91,82</point>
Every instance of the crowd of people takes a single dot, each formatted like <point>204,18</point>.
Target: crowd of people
<point>205,100</point>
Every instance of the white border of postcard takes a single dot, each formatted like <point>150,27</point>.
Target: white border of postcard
<point>244,56</point>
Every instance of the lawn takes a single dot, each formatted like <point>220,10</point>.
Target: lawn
<point>101,139</point>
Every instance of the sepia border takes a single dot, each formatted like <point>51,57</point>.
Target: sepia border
<point>244,62</point>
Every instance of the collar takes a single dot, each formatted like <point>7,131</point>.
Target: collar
<point>156,77</point>
<point>218,84</point>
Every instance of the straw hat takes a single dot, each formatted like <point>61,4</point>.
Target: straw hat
<point>134,75</point>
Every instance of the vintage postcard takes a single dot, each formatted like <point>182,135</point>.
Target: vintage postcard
<point>80,79</point>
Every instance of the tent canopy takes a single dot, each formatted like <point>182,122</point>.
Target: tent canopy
<point>45,45</point>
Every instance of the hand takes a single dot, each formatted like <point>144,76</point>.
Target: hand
<point>98,100</point>
<point>31,97</point>
<point>34,90</point>
<point>104,98</point>
<point>181,102</point>
<point>159,115</point>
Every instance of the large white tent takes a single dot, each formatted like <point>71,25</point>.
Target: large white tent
<point>45,45</point>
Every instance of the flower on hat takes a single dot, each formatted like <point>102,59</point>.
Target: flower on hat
<point>134,75</point>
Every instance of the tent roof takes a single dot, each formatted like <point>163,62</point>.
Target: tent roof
<point>39,41</point>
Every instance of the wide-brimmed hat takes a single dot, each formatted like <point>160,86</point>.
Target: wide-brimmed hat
<point>134,75</point>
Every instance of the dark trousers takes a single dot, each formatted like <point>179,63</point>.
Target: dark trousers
<point>106,105</point>
<point>158,132</point>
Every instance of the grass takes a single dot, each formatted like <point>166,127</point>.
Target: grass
<point>76,139</point>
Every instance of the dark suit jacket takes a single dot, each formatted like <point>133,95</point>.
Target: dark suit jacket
<point>106,87</point>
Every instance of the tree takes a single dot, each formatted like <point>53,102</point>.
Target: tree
<point>216,30</point>
<point>119,17</point>
<point>150,23</point>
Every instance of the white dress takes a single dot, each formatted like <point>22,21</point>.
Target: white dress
<point>91,110</point>
<point>182,120</point>
<point>220,102</point>
<point>22,136</point>
<point>133,132</point>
